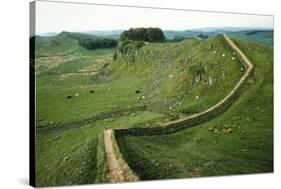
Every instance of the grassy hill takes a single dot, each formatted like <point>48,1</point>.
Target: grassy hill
<point>62,44</point>
<point>186,77</point>
<point>187,80</point>
<point>240,141</point>
<point>57,45</point>
<point>170,80</point>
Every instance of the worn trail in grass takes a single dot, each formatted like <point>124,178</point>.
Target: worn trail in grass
<point>118,168</point>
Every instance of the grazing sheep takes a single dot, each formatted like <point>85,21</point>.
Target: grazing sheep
<point>210,47</point>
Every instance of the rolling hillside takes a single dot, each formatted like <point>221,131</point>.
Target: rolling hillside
<point>81,92</point>
<point>62,44</point>
<point>187,73</point>
<point>240,141</point>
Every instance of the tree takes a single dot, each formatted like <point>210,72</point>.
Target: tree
<point>154,35</point>
<point>143,34</point>
<point>91,44</point>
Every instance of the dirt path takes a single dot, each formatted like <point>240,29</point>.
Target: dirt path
<point>119,171</point>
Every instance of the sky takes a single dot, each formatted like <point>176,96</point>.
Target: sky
<point>57,17</point>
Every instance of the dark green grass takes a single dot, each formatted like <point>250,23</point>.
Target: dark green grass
<point>199,152</point>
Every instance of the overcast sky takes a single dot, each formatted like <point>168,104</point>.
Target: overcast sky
<point>57,17</point>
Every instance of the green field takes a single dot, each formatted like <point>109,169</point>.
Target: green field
<point>171,80</point>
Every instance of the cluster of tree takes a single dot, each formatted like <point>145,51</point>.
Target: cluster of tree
<point>92,44</point>
<point>143,34</point>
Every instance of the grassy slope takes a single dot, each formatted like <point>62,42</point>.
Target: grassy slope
<point>169,82</point>
<point>161,73</point>
<point>61,76</point>
<point>60,45</point>
<point>55,46</point>
<point>200,152</point>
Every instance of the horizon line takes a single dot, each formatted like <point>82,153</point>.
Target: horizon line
<point>188,29</point>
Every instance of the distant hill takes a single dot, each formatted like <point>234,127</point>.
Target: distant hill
<point>63,43</point>
<point>258,36</point>
<point>113,34</point>
<point>68,42</point>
